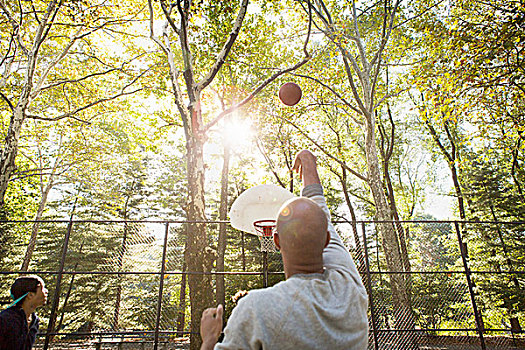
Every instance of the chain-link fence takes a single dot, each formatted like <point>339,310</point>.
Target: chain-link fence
<point>123,284</point>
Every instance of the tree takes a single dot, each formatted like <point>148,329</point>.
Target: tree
<point>362,54</point>
<point>198,73</point>
<point>51,55</point>
<point>493,197</point>
<point>468,79</point>
<point>472,92</point>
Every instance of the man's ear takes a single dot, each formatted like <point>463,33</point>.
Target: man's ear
<point>327,239</point>
<point>276,241</point>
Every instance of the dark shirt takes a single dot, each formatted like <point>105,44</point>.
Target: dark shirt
<point>14,332</point>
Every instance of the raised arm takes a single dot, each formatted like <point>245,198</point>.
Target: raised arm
<point>335,255</point>
<point>306,165</point>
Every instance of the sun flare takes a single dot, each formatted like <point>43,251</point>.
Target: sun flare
<point>238,133</point>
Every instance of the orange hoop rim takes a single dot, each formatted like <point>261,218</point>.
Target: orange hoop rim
<point>266,228</point>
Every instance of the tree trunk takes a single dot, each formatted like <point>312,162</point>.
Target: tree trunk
<point>361,266</point>
<point>10,150</point>
<point>36,225</point>
<point>197,254</point>
<point>514,169</point>
<point>401,301</point>
<point>389,189</point>
<point>68,294</point>
<point>221,245</point>
<point>243,255</point>
<point>400,231</point>
<point>359,70</point>
<point>459,193</point>
<point>510,265</point>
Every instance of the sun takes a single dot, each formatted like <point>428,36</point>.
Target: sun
<point>237,133</point>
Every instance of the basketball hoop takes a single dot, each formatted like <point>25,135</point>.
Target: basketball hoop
<point>266,229</point>
<point>254,212</point>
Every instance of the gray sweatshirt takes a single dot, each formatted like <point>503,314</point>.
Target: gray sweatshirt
<point>307,311</point>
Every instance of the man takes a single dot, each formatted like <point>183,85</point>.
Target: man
<point>19,323</point>
<point>322,304</point>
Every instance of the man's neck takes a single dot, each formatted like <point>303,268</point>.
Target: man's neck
<point>289,271</point>
<point>28,309</point>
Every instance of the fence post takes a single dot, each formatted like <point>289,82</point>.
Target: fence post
<point>265,269</point>
<point>56,298</point>
<point>369,287</point>
<point>463,250</point>
<point>161,286</point>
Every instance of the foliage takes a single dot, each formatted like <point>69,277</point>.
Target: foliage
<point>449,91</point>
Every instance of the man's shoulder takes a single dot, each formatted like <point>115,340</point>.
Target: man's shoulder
<point>9,312</point>
<point>270,296</point>
<point>257,295</point>
<point>10,316</point>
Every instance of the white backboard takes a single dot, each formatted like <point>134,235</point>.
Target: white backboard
<point>257,203</point>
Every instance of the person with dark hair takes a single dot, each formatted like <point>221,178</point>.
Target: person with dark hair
<point>19,323</point>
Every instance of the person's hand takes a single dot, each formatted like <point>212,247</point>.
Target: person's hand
<point>211,326</point>
<point>306,165</point>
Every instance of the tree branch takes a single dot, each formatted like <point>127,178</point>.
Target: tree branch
<point>167,14</point>
<point>329,32</point>
<point>358,41</point>
<point>269,161</point>
<point>174,73</point>
<point>187,58</point>
<point>254,93</point>
<point>451,139</point>
<point>387,96</point>
<point>345,102</point>
<point>419,14</point>
<point>41,33</point>
<point>392,133</point>
<point>221,58</point>
<point>72,81</point>
<point>151,31</point>
<point>353,87</point>
<point>379,54</point>
<point>7,100</point>
<point>6,56</point>
<point>353,172</point>
<point>435,136</point>
<point>109,98</point>
<point>38,85</point>
<point>325,10</point>
<point>16,26</point>
<point>266,82</point>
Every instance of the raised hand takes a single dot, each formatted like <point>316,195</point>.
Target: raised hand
<point>211,326</point>
<point>306,165</point>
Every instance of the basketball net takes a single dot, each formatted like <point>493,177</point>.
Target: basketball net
<point>266,229</point>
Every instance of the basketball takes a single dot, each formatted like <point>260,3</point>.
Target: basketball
<point>290,93</point>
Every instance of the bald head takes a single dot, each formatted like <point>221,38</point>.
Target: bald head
<point>302,230</point>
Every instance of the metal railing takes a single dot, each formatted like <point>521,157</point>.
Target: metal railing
<point>124,281</point>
